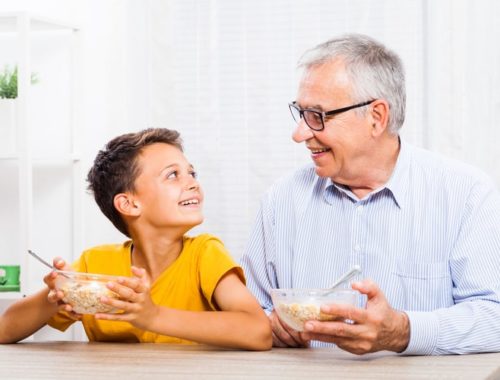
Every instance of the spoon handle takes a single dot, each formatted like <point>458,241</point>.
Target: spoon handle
<point>40,259</point>
<point>45,262</point>
<point>352,272</point>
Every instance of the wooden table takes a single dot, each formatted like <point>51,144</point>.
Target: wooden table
<point>79,360</point>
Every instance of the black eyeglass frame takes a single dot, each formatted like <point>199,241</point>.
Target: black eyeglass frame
<point>322,114</point>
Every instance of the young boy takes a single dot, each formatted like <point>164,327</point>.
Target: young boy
<point>175,288</point>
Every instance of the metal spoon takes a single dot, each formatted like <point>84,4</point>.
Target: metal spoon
<point>346,276</point>
<point>45,262</point>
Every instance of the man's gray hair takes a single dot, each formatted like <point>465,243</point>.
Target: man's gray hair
<point>375,72</point>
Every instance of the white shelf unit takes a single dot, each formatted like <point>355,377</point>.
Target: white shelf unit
<point>22,28</point>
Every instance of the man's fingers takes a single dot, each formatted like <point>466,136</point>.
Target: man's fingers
<point>333,329</point>
<point>367,287</point>
<point>277,342</point>
<point>285,334</point>
<point>345,312</point>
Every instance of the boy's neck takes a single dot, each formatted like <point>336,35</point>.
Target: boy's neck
<point>156,254</point>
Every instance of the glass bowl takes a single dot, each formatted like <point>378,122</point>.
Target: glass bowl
<point>83,291</point>
<point>296,306</point>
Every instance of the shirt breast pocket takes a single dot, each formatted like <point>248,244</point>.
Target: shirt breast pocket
<point>423,286</point>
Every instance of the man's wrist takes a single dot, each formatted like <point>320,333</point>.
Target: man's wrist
<point>403,332</point>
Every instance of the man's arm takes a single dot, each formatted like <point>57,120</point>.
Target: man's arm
<point>259,252</point>
<point>261,277</point>
<point>473,323</point>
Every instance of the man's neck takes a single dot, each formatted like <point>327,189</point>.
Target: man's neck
<point>378,169</point>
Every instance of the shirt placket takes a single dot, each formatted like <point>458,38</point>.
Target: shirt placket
<point>358,234</point>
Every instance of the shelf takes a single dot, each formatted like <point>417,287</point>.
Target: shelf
<point>43,159</point>
<point>11,295</point>
<point>8,23</point>
<point>41,176</point>
<point>56,159</point>
<point>8,156</point>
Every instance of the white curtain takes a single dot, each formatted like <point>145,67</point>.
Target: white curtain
<point>223,72</point>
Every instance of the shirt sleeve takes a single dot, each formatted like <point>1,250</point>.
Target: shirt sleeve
<point>473,323</point>
<point>258,259</point>
<point>214,263</point>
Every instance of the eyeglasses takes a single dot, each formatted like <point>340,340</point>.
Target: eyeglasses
<point>316,119</point>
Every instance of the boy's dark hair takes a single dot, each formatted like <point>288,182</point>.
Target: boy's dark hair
<point>115,168</point>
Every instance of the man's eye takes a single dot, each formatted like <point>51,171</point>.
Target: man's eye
<point>172,175</point>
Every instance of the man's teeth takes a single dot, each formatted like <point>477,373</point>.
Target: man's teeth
<point>190,202</point>
<point>319,150</point>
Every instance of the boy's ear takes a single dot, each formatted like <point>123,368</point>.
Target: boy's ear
<point>126,205</point>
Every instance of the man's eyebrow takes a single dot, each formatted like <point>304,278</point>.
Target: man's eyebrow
<point>315,107</point>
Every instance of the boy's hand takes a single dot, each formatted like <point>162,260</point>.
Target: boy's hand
<point>56,296</point>
<point>135,300</point>
<point>50,280</point>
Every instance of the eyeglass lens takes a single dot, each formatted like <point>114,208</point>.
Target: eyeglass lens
<point>312,118</point>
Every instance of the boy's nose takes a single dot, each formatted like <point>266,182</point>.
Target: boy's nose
<point>193,184</point>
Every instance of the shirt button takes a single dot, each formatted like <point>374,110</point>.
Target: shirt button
<point>357,248</point>
<point>359,209</point>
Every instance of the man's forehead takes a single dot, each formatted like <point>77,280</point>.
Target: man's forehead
<point>331,73</point>
<point>322,83</point>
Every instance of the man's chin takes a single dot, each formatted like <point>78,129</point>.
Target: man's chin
<point>321,171</point>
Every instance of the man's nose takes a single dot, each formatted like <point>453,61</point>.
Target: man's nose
<point>302,132</point>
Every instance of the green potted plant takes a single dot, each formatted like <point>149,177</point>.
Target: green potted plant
<point>8,95</point>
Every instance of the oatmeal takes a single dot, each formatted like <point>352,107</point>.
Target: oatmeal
<point>85,297</point>
<point>295,314</point>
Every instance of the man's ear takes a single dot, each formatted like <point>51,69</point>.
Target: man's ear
<point>126,204</point>
<point>379,116</point>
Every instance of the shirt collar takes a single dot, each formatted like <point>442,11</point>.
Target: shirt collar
<point>398,182</point>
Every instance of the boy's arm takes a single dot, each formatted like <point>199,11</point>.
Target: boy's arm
<point>241,323</point>
<point>26,317</point>
<point>30,314</point>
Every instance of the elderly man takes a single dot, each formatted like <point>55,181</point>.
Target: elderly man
<point>425,229</point>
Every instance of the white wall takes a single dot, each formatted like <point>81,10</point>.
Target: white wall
<point>225,70</point>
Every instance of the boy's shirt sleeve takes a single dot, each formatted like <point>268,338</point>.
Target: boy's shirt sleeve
<point>214,263</point>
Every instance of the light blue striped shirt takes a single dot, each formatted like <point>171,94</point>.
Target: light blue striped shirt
<point>430,238</point>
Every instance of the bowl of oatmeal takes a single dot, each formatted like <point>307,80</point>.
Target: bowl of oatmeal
<point>83,291</point>
<point>296,306</point>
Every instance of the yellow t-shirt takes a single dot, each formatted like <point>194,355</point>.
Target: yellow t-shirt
<point>187,284</point>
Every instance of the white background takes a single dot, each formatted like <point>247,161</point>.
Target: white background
<point>222,72</point>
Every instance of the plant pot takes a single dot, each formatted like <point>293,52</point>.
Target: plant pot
<point>8,126</point>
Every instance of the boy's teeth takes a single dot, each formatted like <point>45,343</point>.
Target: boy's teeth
<point>190,202</point>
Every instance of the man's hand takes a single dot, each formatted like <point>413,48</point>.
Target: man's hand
<point>376,328</point>
<point>283,335</point>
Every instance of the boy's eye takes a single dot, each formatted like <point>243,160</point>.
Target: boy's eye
<point>172,175</point>
<point>193,174</point>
